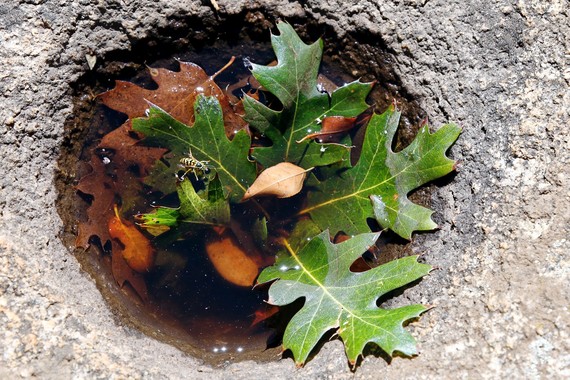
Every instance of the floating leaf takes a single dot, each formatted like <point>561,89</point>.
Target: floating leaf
<point>282,180</point>
<point>137,250</point>
<point>207,141</point>
<point>378,185</point>
<point>294,82</point>
<point>336,298</point>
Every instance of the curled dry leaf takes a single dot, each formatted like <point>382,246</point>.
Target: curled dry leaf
<point>230,259</point>
<point>282,180</point>
<point>331,128</point>
<point>137,251</point>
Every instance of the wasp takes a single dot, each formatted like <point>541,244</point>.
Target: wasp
<point>191,164</point>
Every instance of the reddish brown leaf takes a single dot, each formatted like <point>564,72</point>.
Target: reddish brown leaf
<point>101,208</point>
<point>112,177</point>
<point>176,93</point>
<point>136,248</point>
<point>331,128</point>
<point>266,312</point>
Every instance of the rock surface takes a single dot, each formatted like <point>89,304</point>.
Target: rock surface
<point>499,69</point>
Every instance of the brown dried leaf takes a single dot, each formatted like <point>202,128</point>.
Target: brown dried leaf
<point>282,180</point>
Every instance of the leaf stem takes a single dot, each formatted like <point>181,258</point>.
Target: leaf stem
<point>230,62</point>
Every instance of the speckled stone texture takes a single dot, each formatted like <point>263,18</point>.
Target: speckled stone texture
<point>499,69</point>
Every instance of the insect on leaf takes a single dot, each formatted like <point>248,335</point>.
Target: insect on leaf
<point>294,82</point>
<point>378,185</point>
<point>336,298</point>
<point>206,140</point>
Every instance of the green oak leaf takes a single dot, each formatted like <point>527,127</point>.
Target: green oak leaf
<point>303,232</point>
<point>161,177</point>
<point>378,185</point>
<point>336,298</point>
<point>206,140</point>
<point>207,208</point>
<point>294,82</point>
<point>211,210</point>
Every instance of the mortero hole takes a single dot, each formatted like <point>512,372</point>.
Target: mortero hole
<point>189,280</point>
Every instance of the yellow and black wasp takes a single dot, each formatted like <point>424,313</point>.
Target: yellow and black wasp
<point>191,164</point>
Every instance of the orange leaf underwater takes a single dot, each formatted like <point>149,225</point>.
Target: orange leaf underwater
<point>231,260</point>
<point>137,251</point>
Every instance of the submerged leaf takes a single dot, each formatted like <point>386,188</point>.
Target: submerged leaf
<point>159,220</point>
<point>230,259</point>
<point>294,82</point>
<point>336,298</point>
<point>259,232</point>
<point>212,210</point>
<point>282,180</point>
<point>112,176</point>
<point>378,185</point>
<point>209,208</point>
<point>137,250</point>
<point>207,142</point>
<point>264,313</point>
